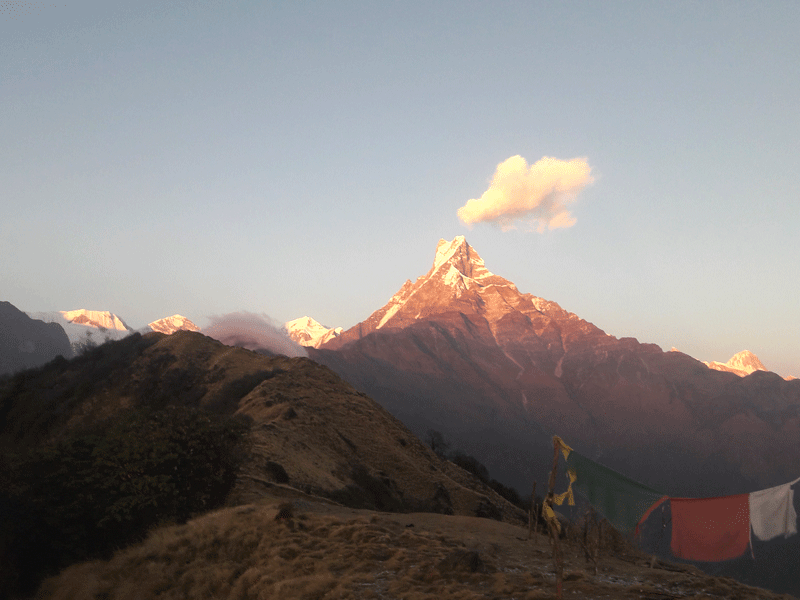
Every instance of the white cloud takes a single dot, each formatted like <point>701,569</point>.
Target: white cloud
<point>538,195</point>
<point>254,332</point>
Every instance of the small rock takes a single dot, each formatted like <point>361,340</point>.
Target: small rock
<point>285,512</point>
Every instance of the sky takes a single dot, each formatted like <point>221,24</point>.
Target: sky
<point>297,158</point>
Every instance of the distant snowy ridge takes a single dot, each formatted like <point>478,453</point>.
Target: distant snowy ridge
<point>173,324</point>
<point>742,364</point>
<point>86,328</point>
<point>308,332</point>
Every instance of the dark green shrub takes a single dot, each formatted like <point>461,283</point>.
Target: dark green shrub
<point>437,442</point>
<point>277,472</point>
<point>509,494</point>
<point>99,490</point>
<point>368,491</point>
<point>472,465</point>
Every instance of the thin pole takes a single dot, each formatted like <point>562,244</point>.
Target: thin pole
<point>531,512</point>
<point>554,542</point>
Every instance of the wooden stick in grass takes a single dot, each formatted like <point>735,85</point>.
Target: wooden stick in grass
<point>532,513</point>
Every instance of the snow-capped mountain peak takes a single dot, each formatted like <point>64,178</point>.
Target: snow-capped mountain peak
<point>457,282</point>
<point>308,332</point>
<point>100,319</point>
<point>460,257</point>
<point>445,250</point>
<point>173,324</point>
<point>742,363</point>
<point>746,361</point>
<point>457,269</point>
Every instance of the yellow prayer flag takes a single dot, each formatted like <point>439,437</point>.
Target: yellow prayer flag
<point>565,450</point>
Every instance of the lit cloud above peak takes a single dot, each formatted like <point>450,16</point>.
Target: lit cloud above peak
<point>537,195</point>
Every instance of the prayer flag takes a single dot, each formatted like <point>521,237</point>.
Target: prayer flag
<point>710,529</point>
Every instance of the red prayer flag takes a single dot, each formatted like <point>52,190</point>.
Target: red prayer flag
<point>710,529</point>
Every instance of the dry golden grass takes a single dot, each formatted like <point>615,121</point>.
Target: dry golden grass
<point>319,428</point>
<point>330,552</point>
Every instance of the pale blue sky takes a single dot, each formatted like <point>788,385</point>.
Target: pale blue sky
<point>305,158</point>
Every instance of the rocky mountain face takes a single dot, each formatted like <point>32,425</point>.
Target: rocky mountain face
<point>173,324</point>
<point>308,332</point>
<point>463,351</point>
<point>26,343</point>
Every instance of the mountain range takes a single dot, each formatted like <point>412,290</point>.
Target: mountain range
<point>463,352</point>
<point>173,324</point>
<point>742,363</point>
<point>83,329</point>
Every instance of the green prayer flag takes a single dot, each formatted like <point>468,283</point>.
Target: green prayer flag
<point>622,501</point>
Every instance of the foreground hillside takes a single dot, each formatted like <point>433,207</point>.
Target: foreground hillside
<point>158,428</point>
<point>307,426</point>
<point>326,551</point>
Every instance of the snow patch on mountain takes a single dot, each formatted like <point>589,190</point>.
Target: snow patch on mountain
<point>173,324</point>
<point>455,279</point>
<point>308,332</point>
<point>390,312</point>
<point>395,303</point>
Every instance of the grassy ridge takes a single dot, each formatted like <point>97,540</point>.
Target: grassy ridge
<point>317,551</point>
